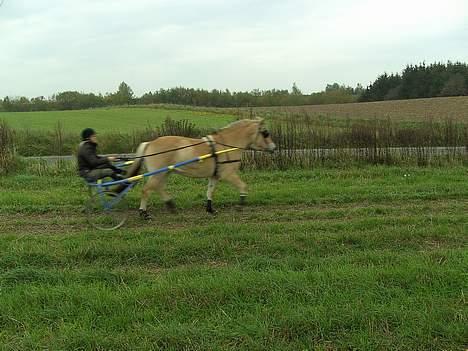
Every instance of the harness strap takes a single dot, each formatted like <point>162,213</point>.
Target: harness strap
<point>227,155</point>
<point>229,161</point>
<point>209,139</point>
<point>161,152</point>
<point>232,146</point>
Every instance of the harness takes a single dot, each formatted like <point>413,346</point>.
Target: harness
<point>212,144</point>
<point>264,133</point>
<point>161,152</point>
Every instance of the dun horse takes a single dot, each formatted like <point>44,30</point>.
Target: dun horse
<point>244,135</point>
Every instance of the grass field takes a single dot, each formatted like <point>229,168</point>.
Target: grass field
<point>110,119</point>
<point>137,118</point>
<point>415,110</point>
<point>363,258</point>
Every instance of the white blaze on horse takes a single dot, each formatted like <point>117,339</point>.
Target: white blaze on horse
<point>244,135</point>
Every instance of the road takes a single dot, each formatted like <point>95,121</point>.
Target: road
<point>434,151</point>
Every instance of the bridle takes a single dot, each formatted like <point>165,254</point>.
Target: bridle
<point>212,143</point>
<point>264,132</point>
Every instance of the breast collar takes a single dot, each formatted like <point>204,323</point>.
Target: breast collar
<point>212,143</point>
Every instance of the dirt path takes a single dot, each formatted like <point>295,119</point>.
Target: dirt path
<point>68,223</point>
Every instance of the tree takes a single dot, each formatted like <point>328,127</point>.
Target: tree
<point>420,81</point>
<point>393,93</point>
<point>68,100</point>
<point>455,86</point>
<point>7,105</point>
<point>358,90</point>
<point>123,96</point>
<point>295,90</point>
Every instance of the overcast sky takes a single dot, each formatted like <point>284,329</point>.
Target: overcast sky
<point>92,45</point>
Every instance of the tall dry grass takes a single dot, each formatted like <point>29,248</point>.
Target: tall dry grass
<point>303,141</point>
<point>306,141</point>
<point>8,159</point>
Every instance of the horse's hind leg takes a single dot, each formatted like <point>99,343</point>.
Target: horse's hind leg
<point>165,196</point>
<point>235,180</point>
<point>147,189</point>
<point>155,183</point>
<point>151,185</point>
<point>209,194</point>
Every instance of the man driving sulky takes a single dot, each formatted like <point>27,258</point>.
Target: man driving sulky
<point>91,166</point>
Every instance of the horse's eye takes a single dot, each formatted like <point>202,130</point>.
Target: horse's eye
<point>265,133</point>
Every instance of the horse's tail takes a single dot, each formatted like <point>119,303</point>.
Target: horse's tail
<point>138,163</point>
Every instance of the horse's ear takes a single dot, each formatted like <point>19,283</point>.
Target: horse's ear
<point>259,120</point>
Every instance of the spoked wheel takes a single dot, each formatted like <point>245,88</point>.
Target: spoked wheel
<point>107,210</point>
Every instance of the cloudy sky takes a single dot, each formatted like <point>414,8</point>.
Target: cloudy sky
<point>92,45</point>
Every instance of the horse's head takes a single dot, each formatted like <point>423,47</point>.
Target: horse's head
<point>247,134</point>
<point>262,139</point>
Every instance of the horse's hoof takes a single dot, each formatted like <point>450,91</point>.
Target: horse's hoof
<point>144,215</point>
<point>170,205</point>
<point>243,200</point>
<point>209,207</point>
<point>212,211</point>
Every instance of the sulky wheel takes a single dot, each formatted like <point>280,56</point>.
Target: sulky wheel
<point>107,210</point>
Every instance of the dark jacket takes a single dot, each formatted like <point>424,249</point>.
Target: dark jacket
<point>88,158</point>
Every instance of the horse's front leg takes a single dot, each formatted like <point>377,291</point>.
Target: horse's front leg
<point>235,180</point>
<point>209,194</point>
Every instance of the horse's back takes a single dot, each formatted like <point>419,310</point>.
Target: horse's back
<point>170,150</point>
<point>175,146</point>
<point>172,141</point>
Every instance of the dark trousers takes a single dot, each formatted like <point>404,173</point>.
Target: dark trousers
<point>100,173</point>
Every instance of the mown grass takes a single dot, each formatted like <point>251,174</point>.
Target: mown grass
<point>110,119</point>
<point>362,258</point>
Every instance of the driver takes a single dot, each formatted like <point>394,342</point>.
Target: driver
<point>91,166</point>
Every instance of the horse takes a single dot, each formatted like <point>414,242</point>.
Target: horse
<point>243,135</point>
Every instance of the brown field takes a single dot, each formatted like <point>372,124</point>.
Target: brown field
<point>416,110</point>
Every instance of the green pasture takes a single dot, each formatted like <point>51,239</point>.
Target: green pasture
<point>110,119</point>
<point>370,258</point>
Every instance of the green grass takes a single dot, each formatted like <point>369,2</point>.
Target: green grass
<point>363,258</point>
<point>110,119</point>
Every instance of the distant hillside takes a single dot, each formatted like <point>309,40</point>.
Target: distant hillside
<point>398,110</point>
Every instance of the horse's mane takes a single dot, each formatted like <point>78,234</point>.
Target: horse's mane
<point>238,123</point>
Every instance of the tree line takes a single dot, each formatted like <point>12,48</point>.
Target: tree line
<point>73,100</point>
<point>420,81</point>
<point>69,100</point>
<point>415,81</point>
<point>334,93</point>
